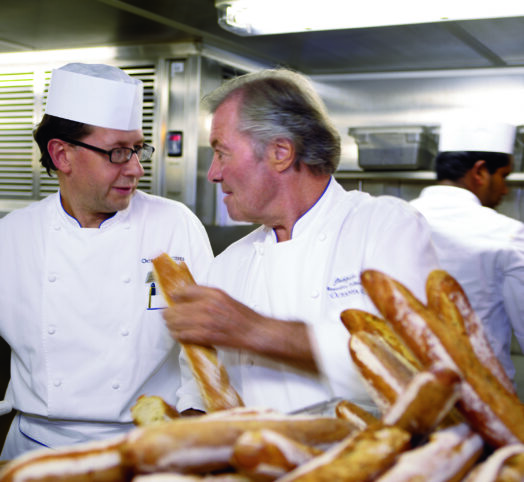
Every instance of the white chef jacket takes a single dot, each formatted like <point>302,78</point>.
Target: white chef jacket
<point>484,251</point>
<point>80,312</point>
<point>313,277</point>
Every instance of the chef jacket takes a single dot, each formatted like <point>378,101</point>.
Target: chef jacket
<point>82,315</point>
<point>313,277</point>
<point>484,251</point>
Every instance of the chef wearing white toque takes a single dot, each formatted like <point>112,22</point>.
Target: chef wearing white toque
<point>77,303</point>
<point>482,249</point>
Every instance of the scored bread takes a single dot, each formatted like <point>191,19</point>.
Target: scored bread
<point>211,376</point>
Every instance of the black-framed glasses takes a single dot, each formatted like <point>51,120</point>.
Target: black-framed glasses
<point>117,155</point>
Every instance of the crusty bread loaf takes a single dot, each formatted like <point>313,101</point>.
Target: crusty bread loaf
<point>210,375</point>
<point>385,372</point>
<point>150,409</point>
<point>265,455</point>
<point>359,458</point>
<point>447,299</point>
<point>205,443</point>
<point>355,414</point>
<point>505,464</point>
<point>426,401</point>
<point>358,320</point>
<point>494,411</point>
<point>88,462</point>
<point>446,457</point>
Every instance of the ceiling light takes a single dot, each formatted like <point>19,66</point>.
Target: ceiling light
<point>262,17</point>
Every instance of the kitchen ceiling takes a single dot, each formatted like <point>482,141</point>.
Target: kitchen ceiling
<point>27,25</point>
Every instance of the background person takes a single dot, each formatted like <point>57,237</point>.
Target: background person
<point>274,297</point>
<point>482,249</point>
<point>75,287</point>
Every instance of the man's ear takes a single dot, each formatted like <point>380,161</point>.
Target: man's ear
<point>59,154</point>
<point>479,173</point>
<point>281,154</point>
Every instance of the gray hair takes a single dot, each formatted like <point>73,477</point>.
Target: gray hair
<point>283,104</point>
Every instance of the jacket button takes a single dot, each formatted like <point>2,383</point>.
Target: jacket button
<point>126,279</point>
<point>124,332</point>
<point>57,382</point>
<point>115,385</point>
<point>314,294</point>
<point>51,278</point>
<point>322,237</point>
<point>51,330</point>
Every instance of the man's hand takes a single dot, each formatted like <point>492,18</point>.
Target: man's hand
<point>210,317</point>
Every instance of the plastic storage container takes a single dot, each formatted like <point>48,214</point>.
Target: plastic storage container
<point>395,147</point>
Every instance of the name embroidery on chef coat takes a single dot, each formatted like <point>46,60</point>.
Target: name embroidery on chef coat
<point>344,286</point>
<point>155,299</point>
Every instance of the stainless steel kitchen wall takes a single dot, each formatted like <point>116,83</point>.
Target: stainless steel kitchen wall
<point>420,98</point>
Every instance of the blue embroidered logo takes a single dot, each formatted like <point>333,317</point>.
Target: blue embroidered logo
<point>344,286</point>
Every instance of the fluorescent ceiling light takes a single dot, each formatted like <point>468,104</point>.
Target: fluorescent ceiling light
<point>262,17</point>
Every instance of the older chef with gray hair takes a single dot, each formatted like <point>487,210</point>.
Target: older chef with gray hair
<point>77,303</point>
<point>481,248</point>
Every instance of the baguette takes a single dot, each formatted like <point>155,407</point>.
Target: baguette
<point>265,455</point>
<point>494,411</point>
<point>355,414</point>
<point>99,461</point>
<point>211,376</point>
<point>425,402</point>
<point>385,372</point>
<point>205,443</point>
<point>449,301</point>
<point>359,458</point>
<point>446,457</point>
<point>358,320</point>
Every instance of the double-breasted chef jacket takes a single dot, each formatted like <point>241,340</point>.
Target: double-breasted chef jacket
<point>80,311</point>
<point>484,251</point>
<point>313,277</point>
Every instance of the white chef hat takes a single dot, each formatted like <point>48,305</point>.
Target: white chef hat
<point>474,134</point>
<point>96,94</point>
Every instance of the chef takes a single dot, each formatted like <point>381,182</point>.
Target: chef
<point>482,249</point>
<point>274,298</point>
<point>78,306</point>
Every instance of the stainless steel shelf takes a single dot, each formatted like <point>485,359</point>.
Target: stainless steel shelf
<point>407,176</point>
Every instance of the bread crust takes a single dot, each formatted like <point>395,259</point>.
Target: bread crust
<point>205,443</point>
<point>211,376</point>
<point>485,402</point>
<point>447,299</point>
<point>99,461</point>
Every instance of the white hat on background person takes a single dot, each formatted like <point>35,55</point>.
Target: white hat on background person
<point>475,134</point>
<point>96,94</point>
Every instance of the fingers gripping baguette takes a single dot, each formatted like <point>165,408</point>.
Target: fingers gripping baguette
<point>449,301</point>
<point>493,411</point>
<point>210,375</point>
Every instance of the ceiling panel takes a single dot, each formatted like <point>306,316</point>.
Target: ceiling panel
<point>53,24</point>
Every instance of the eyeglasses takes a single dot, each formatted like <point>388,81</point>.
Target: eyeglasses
<point>117,155</point>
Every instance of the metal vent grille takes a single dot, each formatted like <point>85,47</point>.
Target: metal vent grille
<point>21,175</point>
<point>16,140</point>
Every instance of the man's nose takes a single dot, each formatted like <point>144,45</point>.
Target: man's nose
<point>134,167</point>
<point>214,173</point>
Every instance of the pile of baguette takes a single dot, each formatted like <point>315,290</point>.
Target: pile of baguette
<point>448,412</point>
